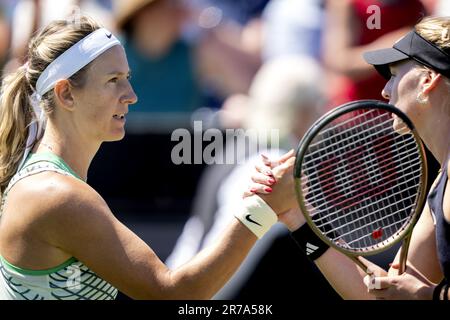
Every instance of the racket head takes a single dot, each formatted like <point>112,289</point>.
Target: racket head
<point>360,184</point>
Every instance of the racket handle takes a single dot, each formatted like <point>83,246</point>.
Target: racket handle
<point>361,264</point>
<point>404,254</point>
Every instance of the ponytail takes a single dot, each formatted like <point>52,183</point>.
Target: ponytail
<point>15,116</point>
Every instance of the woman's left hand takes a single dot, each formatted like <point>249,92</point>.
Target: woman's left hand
<point>411,285</point>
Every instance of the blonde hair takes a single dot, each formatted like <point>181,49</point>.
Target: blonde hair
<point>16,112</point>
<point>436,30</point>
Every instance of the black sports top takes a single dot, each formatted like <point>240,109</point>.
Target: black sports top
<point>435,202</point>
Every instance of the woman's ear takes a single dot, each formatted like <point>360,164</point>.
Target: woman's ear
<point>430,81</point>
<point>63,94</point>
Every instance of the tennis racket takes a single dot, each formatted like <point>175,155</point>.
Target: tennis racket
<point>361,178</point>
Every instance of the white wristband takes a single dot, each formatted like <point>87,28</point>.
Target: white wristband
<point>257,215</point>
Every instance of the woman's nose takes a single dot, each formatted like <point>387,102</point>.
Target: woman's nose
<point>385,94</point>
<point>130,97</point>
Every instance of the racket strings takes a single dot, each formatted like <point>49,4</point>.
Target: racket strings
<point>329,220</point>
<point>352,190</point>
<point>341,183</point>
<point>393,224</point>
<point>343,148</point>
<point>329,134</point>
<point>375,220</point>
<point>406,151</point>
<point>354,121</point>
<point>361,179</point>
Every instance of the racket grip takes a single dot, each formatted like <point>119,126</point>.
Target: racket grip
<point>404,255</point>
<point>362,265</point>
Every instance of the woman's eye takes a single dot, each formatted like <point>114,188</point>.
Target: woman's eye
<point>114,80</point>
<point>392,72</point>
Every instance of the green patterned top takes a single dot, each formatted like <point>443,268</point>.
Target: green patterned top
<point>71,280</point>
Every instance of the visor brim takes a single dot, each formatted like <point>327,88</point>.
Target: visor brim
<point>381,59</point>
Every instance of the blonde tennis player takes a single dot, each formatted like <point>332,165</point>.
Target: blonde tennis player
<point>58,238</point>
<point>417,68</point>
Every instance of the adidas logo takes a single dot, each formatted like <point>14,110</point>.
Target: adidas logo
<point>310,248</point>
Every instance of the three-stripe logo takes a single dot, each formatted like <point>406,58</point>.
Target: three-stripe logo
<point>310,248</point>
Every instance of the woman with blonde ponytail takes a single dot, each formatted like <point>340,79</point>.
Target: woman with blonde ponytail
<point>58,238</point>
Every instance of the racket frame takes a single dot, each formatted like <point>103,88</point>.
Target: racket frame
<point>405,234</point>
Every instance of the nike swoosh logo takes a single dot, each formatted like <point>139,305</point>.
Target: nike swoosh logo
<point>248,218</point>
<point>109,35</point>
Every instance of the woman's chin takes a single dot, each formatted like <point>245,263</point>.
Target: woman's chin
<point>116,136</point>
<point>399,126</point>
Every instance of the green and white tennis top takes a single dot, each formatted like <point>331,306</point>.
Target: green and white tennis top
<point>71,280</point>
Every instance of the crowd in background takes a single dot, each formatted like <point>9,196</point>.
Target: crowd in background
<point>191,54</point>
<point>260,64</point>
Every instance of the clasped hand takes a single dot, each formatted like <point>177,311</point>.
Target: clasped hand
<point>273,181</point>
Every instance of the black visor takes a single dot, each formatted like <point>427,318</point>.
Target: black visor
<point>411,46</point>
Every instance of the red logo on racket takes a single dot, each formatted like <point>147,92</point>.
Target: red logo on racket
<point>350,165</point>
<point>377,233</point>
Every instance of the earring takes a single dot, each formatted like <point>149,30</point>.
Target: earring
<point>421,98</point>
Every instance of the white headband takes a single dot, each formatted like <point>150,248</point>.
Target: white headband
<point>66,65</point>
<point>75,58</point>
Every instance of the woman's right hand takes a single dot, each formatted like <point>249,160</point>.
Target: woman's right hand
<point>273,182</point>
<point>263,179</point>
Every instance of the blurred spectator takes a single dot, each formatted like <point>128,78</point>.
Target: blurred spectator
<point>30,15</point>
<point>163,67</point>
<point>8,7</point>
<point>238,11</point>
<point>442,8</point>
<point>431,6</point>
<point>286,96</point>
<point>293,27</point>
<point>350,30</point>
<point>228,59</point>
<point>179,56</point>
<point>4,35</point>
<point>230,43</point>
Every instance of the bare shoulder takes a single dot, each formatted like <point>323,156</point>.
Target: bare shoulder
<point>67,215</point>
<point>48,191</point>
<point>50,202</point>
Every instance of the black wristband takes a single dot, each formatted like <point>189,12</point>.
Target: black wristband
<point>438,289</point>
<point>309,242</point>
